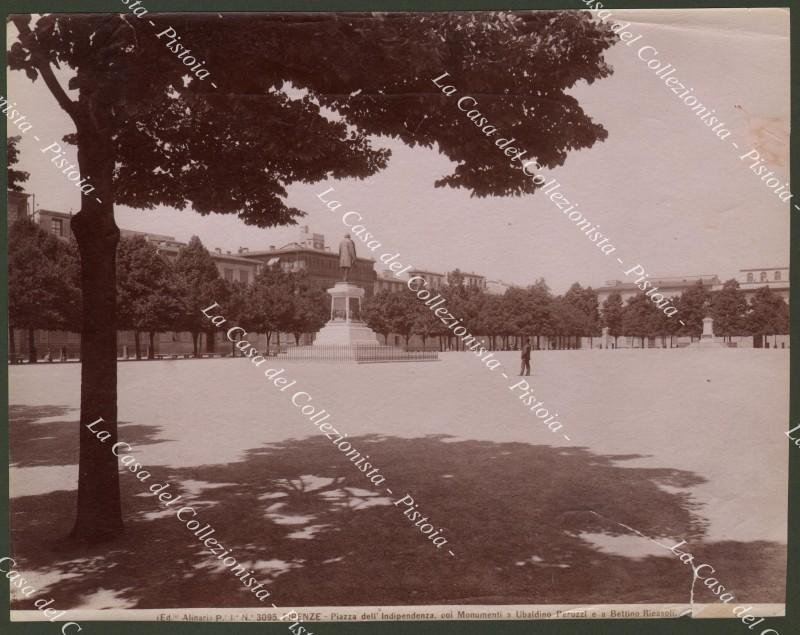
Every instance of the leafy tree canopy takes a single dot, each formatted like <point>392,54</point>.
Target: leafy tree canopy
<point>287,109</point>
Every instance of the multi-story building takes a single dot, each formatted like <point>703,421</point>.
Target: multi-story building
<point>434,279</point>
<point>750,280</point>
<point>776,278</point>
<point>668,286</point>
<point>56,223</point>
<point>438,280</point>
<point>474,280</point>
<point>17,206</point>
<point>310,254</point>
<point>231,267</point>
<point>386,280</point>
<point>497,287</point>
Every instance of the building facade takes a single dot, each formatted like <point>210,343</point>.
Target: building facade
<point>750,281</point>
<point>385,280</point>
<point>668,286</point>
<point>497,287</point>
<point>17,206</point>
<point>310,254</point>
<point>434,280</point>
<point>776,278</point>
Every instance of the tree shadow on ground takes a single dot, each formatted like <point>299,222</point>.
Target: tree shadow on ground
<point>317,532</point>
<point>38,443</point>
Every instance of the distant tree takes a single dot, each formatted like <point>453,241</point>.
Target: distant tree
<point>662,325</point>
<point>533,311</point>
<point>638,317</point>
<point>426,323</point>
<point>728,308</point>
<point>768,314</point>
<point>612,315</point>
<point>465,304</point>
<point>15,177</point>
<point>583,315</point>
<point>391,312</point>
<point>693,306</point>
<point>199,286</point>
<point>239,308</point>
<point>146,292</point>
<point>271,307</point>
<point>494,318</point>
<point>42,291</point>
<point>565,322</point>
<point>518,306</point>
<point>403,313</point>
<point>455,278</point>
<point>309,306</point>
<point>378,312</point>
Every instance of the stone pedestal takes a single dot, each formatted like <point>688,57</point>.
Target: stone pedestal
<point>708,328</point>
<point>345,326</point>
<point>707,339</point>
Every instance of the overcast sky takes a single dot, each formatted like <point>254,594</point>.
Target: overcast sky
<point>663,187</point>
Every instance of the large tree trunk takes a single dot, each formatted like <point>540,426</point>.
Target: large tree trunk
<point>137,344</point>
<point>99,513</point>
<point>211,341</point>
<point>31,346</point>
<point>195,343</point>
<point>12,345</point>
<point>151,351</point>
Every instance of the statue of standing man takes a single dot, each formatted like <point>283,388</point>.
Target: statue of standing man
<point>347,255</point>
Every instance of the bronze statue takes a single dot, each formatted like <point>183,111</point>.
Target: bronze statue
<point>347,255</point>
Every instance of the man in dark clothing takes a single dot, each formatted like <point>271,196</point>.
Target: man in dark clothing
<point>347,256</point>
<point>525,367</point>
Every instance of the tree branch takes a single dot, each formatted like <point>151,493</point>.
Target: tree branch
<point>42,64</point>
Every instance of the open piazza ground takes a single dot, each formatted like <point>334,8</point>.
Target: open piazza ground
<point>679,444</point>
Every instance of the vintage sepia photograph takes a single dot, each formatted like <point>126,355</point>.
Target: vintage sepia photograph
<point>398,316</point>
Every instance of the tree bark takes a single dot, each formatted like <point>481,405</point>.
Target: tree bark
<point>12,345</point>
<point>195,343</point>
<point>99,510</point>
<point>151,353</point>
<point>137,344</point>
<point>31,346</point>
<point>211,341</point>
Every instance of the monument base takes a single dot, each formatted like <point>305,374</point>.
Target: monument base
<point>342,333</point>
<point>346,338</point>
<point>709,342</point>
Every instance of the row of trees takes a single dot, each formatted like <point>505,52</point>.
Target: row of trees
<point>766,314</point>
<point>563,319</point>
<point>154,295</point>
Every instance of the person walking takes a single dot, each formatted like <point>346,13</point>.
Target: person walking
<point>525,367</point>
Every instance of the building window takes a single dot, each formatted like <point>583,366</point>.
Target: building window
<point>57,226</point>
<point>763,276</point>
<point>750,277</point>
<point>228,273</point>
<point>777,276</point>
<point>244,276</point>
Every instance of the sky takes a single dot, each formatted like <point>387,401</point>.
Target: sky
<point>664,188</point>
